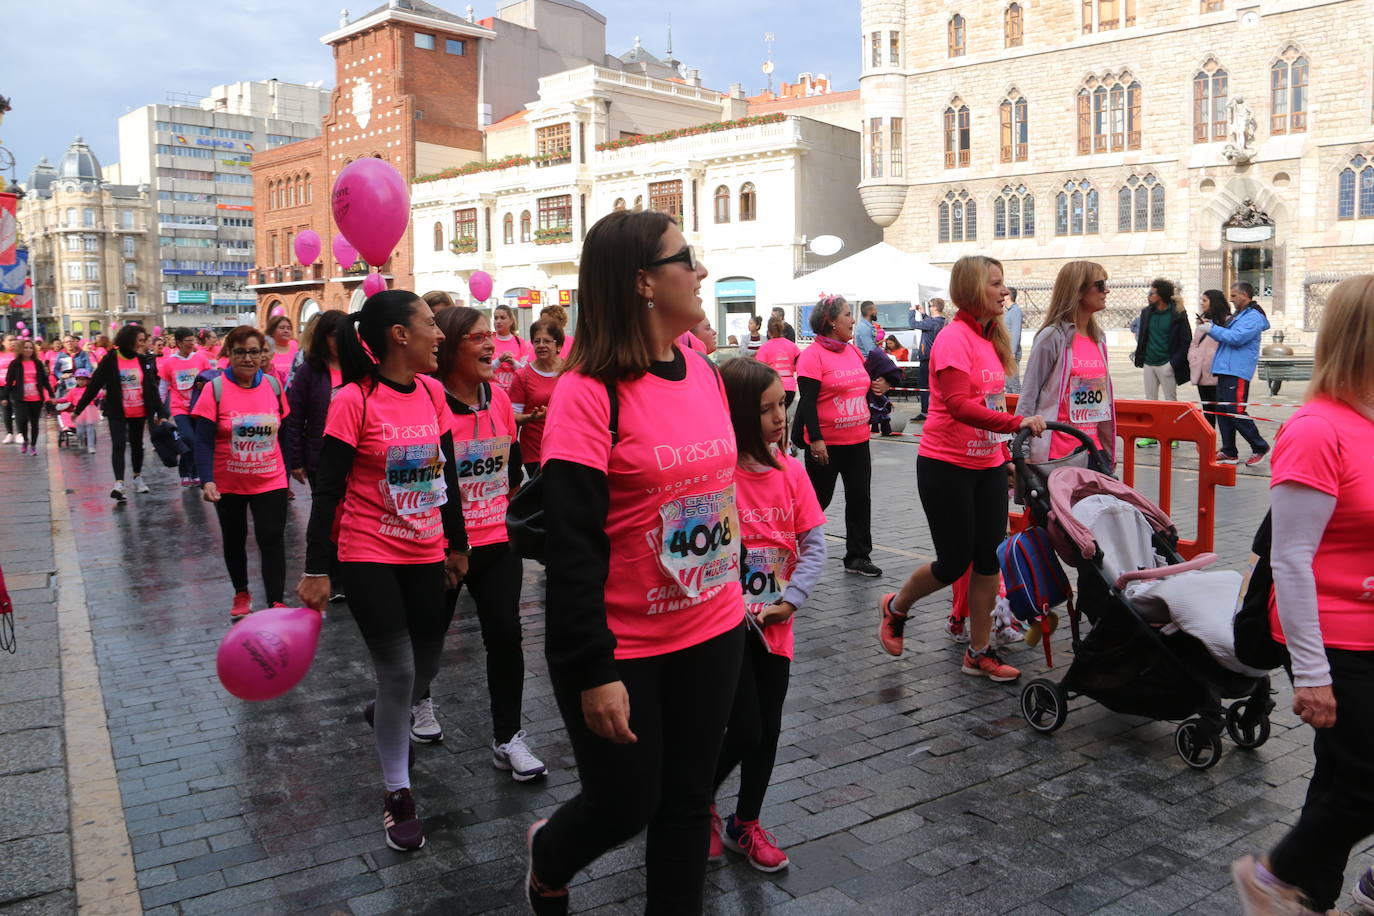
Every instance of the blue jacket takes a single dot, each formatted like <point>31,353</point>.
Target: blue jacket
<point>929,328</point>
<point>1238,344</point>
<point>865,336</point>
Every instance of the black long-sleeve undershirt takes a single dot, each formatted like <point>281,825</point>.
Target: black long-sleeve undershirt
<point>808,392</point>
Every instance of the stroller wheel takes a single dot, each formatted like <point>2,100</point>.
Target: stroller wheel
<point>1044,705</point>
<point>1198,744</point>
<point>1248,735</point>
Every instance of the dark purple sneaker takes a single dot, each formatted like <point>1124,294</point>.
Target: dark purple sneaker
<point>369,711</point>
<point>404,832</point>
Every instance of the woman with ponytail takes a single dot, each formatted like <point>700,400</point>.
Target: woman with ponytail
<point>386,470</point>
<point>127,376</point>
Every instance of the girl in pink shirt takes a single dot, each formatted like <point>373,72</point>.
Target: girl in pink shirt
<point>238,420</point>
<point>178,371</point>
<point>282,347</point>
<point>489,471</point>
<point>781,354</point>
<point>644,610</point>
<point>387,490</point>
<point>512,353</point>
<point>781,525</point>
<point>533,389</point>
<point>30,388</point>
<point>960,470</point>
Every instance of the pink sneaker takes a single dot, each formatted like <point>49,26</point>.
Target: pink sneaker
<point>752,841</point>
<point>716,850</point>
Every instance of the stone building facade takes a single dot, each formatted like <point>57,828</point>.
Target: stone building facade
<point>1206,141</point>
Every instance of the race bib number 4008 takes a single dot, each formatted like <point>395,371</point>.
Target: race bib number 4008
<point>698,540</point>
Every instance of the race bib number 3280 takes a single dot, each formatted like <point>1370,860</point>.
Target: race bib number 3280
<point>698,546</point>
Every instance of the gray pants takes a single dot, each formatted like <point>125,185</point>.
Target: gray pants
<point>1156,376</point>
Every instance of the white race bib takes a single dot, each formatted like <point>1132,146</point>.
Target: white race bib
<point>697,540</point>
<point>1088,401</point>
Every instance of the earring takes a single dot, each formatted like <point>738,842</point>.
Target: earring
<point>651,303</point>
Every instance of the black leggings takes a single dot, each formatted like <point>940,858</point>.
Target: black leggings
<point>679,705</point>
<point>1339,811</point>
<point>269,528</point>
<point>851,462</point>
<point>1207,394</point>
<point>28,412</point>
<point>493,580</point>
<point>787,399</point>
<point>130,430</point>
<point>966,510</point>
<point>9,410</point>
<point>751,740</point>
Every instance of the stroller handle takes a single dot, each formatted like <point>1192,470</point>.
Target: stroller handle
<point>1020,444</point>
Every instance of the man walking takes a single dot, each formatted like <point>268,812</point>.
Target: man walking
<point>1238,345</point>
<point>929,326</point>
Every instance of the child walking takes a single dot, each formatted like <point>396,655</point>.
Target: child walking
<point>781,526</point>
<point>85,421</point>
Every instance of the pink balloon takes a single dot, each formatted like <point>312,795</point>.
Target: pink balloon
<point>267,653</point>
<point>371,205</point>
<point>373,284</point>
<point>157,330</point>
<point>277,310</point>
<point>307,247</point>
<point>344,253</point>
<point>20,325</point>
<point>479,284</point>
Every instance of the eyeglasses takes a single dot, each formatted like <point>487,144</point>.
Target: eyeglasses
<point>479,336</point>
<point>1101,285</point>
<point>544,341</point>
<point>685,256</point>
<point>240,353</point>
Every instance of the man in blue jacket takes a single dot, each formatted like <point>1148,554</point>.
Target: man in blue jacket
<point>1238,345</point>
<point>929,328</point>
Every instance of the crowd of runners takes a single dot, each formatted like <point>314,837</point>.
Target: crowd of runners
<point>681,535</point>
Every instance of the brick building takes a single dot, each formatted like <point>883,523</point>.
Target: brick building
<point>1207,141</point>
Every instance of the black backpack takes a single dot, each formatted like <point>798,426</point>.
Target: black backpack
<point>1255,643</point>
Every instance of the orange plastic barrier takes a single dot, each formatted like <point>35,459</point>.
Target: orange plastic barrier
<point>1167,421</point>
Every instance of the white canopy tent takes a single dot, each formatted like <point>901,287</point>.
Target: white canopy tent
<point>880,273</point>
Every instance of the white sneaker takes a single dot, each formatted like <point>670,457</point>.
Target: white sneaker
<point>1007,635</point>
<point>424,728</point>
<point>9,438</point>
<point>117,491</point>
<point>90,450</point>
<point>515,756</point>
<point>140,486</point>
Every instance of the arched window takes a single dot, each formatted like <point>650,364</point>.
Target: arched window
<point>639,203</point>
<point>525,226</point>
<point>957,30</point>
<point>1355,197</point>
<point>309,189</point>
<point>958,217</point>
<point>1288,94</point>
<point>1109,118</point>
<point>748,203</point>
<point>1014,115</point>
<point>722,202</point>
<point>1013,213</point>
<point>1076,209</point>
<point>438,236</point>
<point>508,229</point>
<point>619,205</point>
<point>1210,94</point>
<point>1013,26</point>
<point>957,135</point>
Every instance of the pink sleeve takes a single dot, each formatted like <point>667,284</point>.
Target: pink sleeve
<point>517,387</point>
<point>809,366</point>
<point>345,413</point>
<point>1308,452</point>
<point>205,405</point>
<point>964,404</point>
<point>578,428</point>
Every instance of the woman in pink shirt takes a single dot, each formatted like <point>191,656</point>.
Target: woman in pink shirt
<point>127,377</point>
<point>832,425</point>
<point>282,347</point>
<point>560,315</point>
<point>644,610</point>
<point>512,352</point>
<point>533,389</point>
<point>960,472</point>
<point>781,355</point>
<point>1322,608</point>
<point>178,371</point>
<point>30,387</point>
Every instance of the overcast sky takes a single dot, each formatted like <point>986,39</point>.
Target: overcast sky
<point>74,66</point>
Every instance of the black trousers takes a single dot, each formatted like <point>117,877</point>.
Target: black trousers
<point>923,383</point>
<point>1339,811</point>
<point>751,739</point>
<point>126,430</point>
<point>967,513</point>
<point>493,580</point>
<point>679,705</point>
<point>335,580</point>
<point>389,600</point>
<point>8,409</point>
<point>853,464</point>
<point>269,529</point>
<point>28,412</point>
<point>1208,395</point>
<point>1232,393</point>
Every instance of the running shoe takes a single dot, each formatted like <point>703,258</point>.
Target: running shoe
<point>140,486</point>
<point>1263,894</point>
<point>242,607</point>
<point>862,566</point>
<point>890,625</point>
<point>369,713</point>
<point>404,832</point>
<point>515,757</point>
<point>715,850</point>
<point>1146,443</point>
<point>543,900</point>
<point>1256,458</point>
<point>277,604</point>
<point>185,481</point>
<point>1223,458</point>
<point>195,481</point>
<point>957,628</point>
<point>33,450</point>
<point>424,727</point>
<point>1363,891</point>
<point>117,491</point>
<point>90,450</point>
<point>9,438</point>
<point>337,597</point>
<point>752,841</point>
<point>987,664</point>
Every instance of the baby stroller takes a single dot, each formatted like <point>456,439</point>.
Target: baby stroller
<point>1161,642</point>
<point>66,428</point>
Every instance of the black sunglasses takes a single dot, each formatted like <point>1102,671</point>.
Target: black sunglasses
<point>1101,285</point>
<point>685,256</point>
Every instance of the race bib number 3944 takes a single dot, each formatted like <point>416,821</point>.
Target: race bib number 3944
<point>698,540</point>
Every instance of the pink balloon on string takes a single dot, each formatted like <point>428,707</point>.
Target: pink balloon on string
<point>266,654</point>
<point>307,247</point>
<point>344,253</point>
<point>479,284</point>
<point>373,284</point>
<point>371,205</point>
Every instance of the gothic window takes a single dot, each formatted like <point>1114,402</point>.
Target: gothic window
<point>1013,213</point>
<point>957,30</point>
<point>1140,205</point>
<point>958,217</point>
<point>1109,118</point>
<point>1210,92</point>
<point>1013,26</point>
<point>957,135</point>
<point>1015,129</point>
<point>1356,190</point>
<point>722,204</point>
<point>748,203</point>
<point>1076,209</point>
<point>1288,94</point>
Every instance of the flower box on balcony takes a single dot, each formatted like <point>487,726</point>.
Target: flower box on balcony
<point>463,246</point>
<point>553,236</point>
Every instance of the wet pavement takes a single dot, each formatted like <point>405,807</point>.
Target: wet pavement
<point>902,786</point>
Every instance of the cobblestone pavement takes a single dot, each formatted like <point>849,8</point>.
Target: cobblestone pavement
<point>902,786</point>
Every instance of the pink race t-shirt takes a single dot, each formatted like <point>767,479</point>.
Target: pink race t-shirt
<point>672,522</point>
<point>481,448</point>
<point>775,507</point>
<point>335,377</point>
<point>131,387</point>
<point>1329,446</point>
<point>5,360</point>
<point>566,350</point>
<point>281,362</point>
<point>248,456</point>
<point>180,376</point>
<point>390,511</point>
<point>31,381</point>
<point>521,353</point>
<point>532,389</point>
<point>1086,400</point>
<point>782,355</point>
<point>960,346</point>
<point>689,341</point>
<point>842,404</point>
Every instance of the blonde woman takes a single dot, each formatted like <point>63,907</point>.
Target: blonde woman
<point>1066,376</point>
<point>1323,609</point>
<point>960,471</point>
